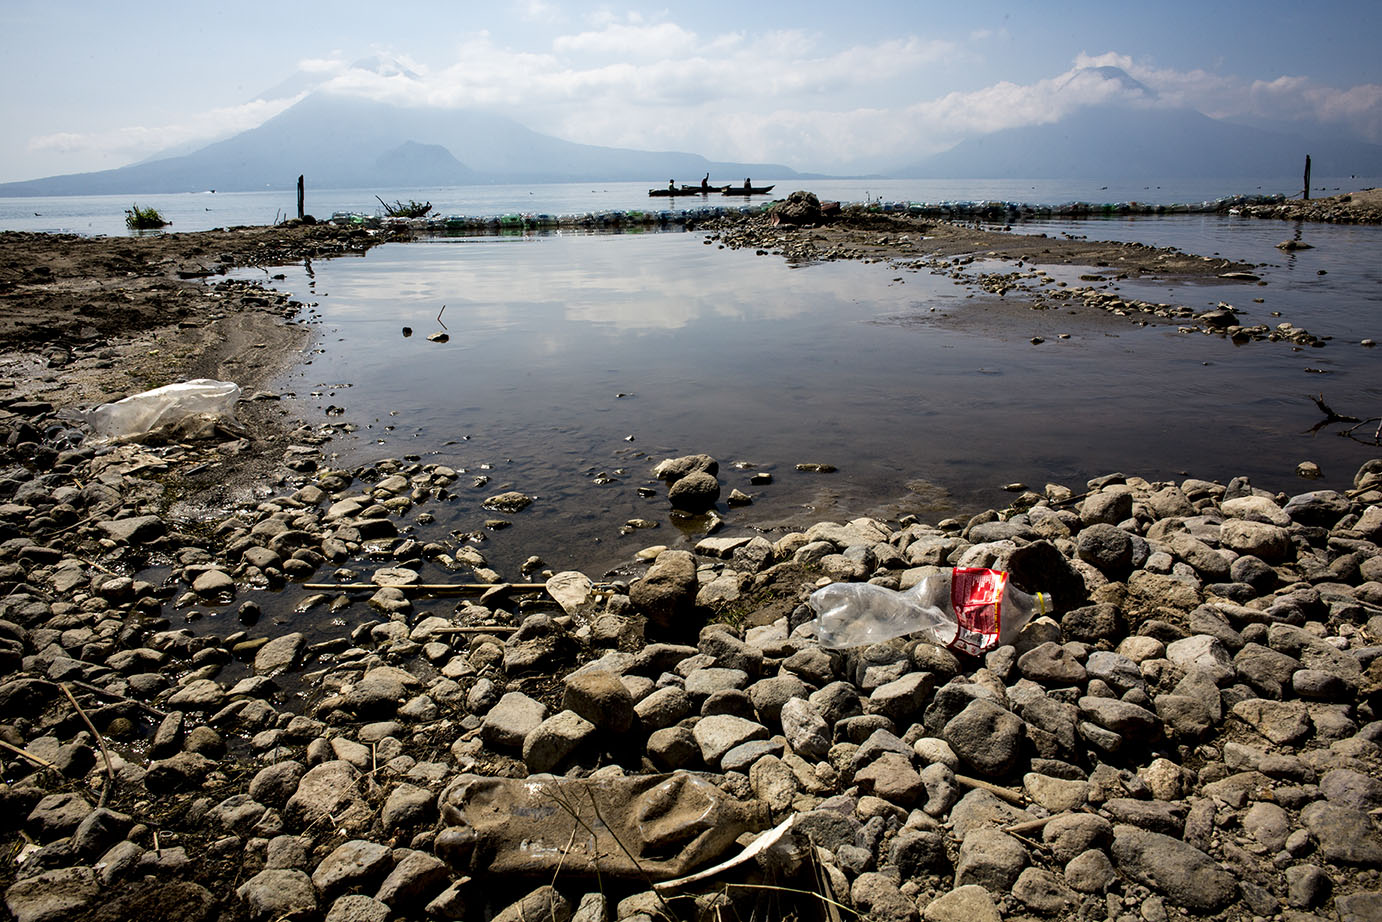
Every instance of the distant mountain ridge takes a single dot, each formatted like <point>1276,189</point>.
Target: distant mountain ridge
<point>339,142</point>
<point>348,142</point>
<point>1144,142</point>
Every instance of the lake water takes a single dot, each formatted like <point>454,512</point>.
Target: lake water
<point>576,361</point>
<point>105,214</point>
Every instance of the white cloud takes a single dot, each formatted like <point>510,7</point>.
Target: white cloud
<point>141,140</point>
<point>787,96</point>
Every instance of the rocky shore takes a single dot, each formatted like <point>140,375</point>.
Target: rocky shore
<point>1192,733</point>
<point>1363,207</point>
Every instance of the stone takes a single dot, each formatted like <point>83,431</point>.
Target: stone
<point>666,595</point>
<point>985,737</point>
<point>1352,789</point>
<point>416,877</point>
<point>719,734</point>
<point>278,894</point>
<point>663,708</point>
<point>274,784</point>
<point>352,865</point>
<point>807,733</point>
<point>600,698</point>
<point>891,777</point>
<point>1268,824</point>
<point>990,858</point>
<point>53,896</point>
<point>1055,794</point>
<point>58,815</point>
<point>696,492</point>
<point>1343,834</point>
<point>406,807</point>
<point>1127,720</point>
<point>1090,871</point>
<point>356,907</point>
<point>1362,906</point>
<point>1271,543</point>
<point>279,655</point>
<point>1306,886</point>
<point>1042,891</point>
<point>553,741</point>
<point>1076,833</point>
<point>139,529</point>
<point>1183,873</point>
<point>1284,723</point>
<point>329,793</point>
<point>970,903</point>
<point>774,783</point>
<point>545,904</point>
<point>769,695</point>
<point>1051,664</point>
<point>509,722</point>
<point>1202,651</point>
<point>1106,547</point>
<point>880,900</point>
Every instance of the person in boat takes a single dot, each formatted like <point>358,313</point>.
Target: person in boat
<point>671,187</point>
<point>705,183</point>
<point>748,184</point>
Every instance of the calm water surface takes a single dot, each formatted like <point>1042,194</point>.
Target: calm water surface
<point>576,359</point>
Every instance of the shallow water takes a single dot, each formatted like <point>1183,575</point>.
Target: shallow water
<point>572,356</point>
<point>193,211</point>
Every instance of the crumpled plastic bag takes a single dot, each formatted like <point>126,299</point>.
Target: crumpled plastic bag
<point>162,406</point>
<point>646,827</point>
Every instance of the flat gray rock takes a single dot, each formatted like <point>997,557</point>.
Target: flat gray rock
<point>1183,873</point>
<point>277,894</point>
<point>1344,834</point>
<point>53,896</point>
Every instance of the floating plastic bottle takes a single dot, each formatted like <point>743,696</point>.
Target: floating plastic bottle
<point>969,609</point>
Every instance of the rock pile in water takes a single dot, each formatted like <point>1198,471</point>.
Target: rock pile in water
<point>1193,734</point>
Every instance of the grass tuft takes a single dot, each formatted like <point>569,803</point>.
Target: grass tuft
<point>137,218</point>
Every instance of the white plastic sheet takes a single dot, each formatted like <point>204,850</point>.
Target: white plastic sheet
<point>163,405</point>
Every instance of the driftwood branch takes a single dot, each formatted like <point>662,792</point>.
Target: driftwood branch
<point>430,587</point>
<point>37,760</point>
<point>1351,432</point>
<point>1008,794</point>
<point>100,740</point>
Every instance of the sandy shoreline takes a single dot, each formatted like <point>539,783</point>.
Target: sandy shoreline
<point>1195,730</point>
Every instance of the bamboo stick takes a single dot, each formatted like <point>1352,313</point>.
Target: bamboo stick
<point>429,587</point>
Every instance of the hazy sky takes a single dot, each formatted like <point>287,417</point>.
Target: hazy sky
<point>816,85</point>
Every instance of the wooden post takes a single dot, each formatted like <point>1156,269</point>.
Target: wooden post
<point>301,212</point>
<point>1306,194</point>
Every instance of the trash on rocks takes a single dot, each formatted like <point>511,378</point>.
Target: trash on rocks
<point>969,609</point>
<point>647,827</point>
<point>163,405</point>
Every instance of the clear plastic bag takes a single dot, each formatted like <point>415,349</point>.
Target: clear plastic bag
<point>162,405</point>
<point>968,609</point>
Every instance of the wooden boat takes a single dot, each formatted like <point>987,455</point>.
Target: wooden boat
<point>687,190</point>
<point>751,190</point>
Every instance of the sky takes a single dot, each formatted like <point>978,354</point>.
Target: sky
<point>818,86</point>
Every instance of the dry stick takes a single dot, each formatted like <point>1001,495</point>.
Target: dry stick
<point>495,629</point>
<point>98,690</point>
<point>1033,825</point>
<point>37,760</point>
<point>1010,796</point>
<point>430,587</point>
<point>101,740</point>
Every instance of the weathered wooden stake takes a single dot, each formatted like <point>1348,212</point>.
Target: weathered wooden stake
<point>301,212</point>
<point>1306,194</point>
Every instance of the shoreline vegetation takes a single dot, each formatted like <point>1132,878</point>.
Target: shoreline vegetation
<point>1194,732</point>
